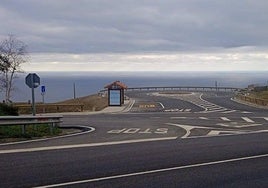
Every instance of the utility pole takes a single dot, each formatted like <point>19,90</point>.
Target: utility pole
<point>74,91</point>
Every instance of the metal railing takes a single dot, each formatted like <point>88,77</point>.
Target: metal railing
<point>192,88</point>
<point>53,121</point>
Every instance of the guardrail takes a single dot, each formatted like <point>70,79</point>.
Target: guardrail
<point>184,88</point>
<point>188,88</point>
<point>30,120</point>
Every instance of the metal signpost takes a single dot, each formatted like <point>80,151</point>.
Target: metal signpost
<point>43,92</point>
<point>33,81</point>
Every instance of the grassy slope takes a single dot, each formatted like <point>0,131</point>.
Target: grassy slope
<point>91,102</point>
<point>260,95</point>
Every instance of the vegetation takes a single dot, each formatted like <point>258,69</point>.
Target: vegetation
<point>259,94</point>
<point>91,102</point>
<point>12,54</point>
<point>14,133</point>
<point>31,131</point>
<point>8,110</point>
<point>87,103</point>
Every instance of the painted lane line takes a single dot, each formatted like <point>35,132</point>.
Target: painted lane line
<point>131,105</point>
<point>217,133</point>
<point>155,171</point>
<point>225,119</point>
<point>247,119</point>
<point>178,118</point>
<point>85,145</point>
<point>228,135</point>
<point>229,111</point>
<point>203,118</point>
<point>161,105</point>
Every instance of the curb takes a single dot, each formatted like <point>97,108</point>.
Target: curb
<point>84,128</point>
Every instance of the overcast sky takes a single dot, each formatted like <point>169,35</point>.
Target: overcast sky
<point>141,35</point>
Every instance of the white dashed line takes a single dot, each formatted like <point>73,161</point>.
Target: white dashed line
<point>225,119</point>
<point>247,120</point>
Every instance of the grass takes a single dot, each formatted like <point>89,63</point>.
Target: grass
<point>31,132</point>
<point>14,133</point>
<point>260,95</point>
<point>89,103</point>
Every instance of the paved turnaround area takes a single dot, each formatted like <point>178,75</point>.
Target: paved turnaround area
<point>162,139</point>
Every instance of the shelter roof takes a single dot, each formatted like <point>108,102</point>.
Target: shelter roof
<point>116,85</point>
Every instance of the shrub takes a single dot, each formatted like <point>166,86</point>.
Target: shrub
<point>7,110</point>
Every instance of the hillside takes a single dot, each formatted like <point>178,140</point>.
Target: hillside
<point>91,102</point>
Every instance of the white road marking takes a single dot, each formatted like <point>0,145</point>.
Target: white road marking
<point>188,128</point>
<point>266,118</point>
<point>155,171</point>
<point>132,104</point>
<point>225,119</point>
<point>187,110</point>
<point>245,112</point>
<point>161,105</point>
<point>204,118</point>
<point>178,117</point>
<point>247,120</point>
<point>229,111</point>
<point>138,131</point>
<point>234,124</point>
<point>216,133</point>
<point>84,145</point>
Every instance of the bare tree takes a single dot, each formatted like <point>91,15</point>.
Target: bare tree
<point>13,53</point>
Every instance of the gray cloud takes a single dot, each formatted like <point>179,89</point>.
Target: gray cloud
<point>90,26</point>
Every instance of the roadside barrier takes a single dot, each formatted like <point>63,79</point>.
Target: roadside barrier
<point>53,121</point>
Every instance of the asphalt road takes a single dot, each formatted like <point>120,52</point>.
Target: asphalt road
<point>158,143</point>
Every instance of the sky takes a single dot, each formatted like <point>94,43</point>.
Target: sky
<point>139,35</point>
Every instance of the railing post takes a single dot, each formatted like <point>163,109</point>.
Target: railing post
<point>23,127</point>
<point>51,128</point>
<point>82,108</point>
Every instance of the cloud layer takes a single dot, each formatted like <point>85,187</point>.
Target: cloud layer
<point>227,61</point>
<point>90,26</point>
<point>99,35</point>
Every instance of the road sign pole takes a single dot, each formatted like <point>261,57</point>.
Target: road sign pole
<point>43,91</point>
<point>33,99</point>
<point>33,81</point>
<point>43,98</point>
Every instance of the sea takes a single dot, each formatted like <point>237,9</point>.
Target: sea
<point>60,86</point>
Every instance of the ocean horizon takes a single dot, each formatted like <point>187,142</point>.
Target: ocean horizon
<point>60,85</point>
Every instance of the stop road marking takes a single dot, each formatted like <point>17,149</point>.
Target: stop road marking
<point>139,131</point>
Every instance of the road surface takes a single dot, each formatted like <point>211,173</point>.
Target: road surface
<point>165,140</point>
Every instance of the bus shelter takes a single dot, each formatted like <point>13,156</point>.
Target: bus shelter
<point>116,93</point>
